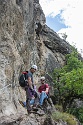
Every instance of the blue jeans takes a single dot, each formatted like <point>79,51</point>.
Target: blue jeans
<point>43,95</point>
<point>31,102</point>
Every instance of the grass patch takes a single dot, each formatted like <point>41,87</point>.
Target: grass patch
<point>70,119</point>
<point>59,108</point>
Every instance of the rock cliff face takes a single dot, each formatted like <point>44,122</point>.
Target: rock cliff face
<point>20,48</point>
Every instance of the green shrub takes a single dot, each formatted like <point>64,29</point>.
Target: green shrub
<point>68,84</point>
<point>78,112</point>
<point>65,117</point>
<point>59,108</point>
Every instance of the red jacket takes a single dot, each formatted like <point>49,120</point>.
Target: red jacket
<point>43,87</point>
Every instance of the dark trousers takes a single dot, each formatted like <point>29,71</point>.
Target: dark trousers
<point>29,94</point>
<point>28,98</point>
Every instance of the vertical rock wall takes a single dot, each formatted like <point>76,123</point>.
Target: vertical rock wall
<point>20,48</point>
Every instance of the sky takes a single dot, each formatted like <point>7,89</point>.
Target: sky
<point>65,16</point>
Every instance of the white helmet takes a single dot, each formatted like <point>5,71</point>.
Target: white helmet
<point>42,78</point>
<point>34,67</point>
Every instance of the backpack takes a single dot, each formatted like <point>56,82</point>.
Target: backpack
<point>22,79</point>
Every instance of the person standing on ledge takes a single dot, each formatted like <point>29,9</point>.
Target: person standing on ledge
<point>29,88</point>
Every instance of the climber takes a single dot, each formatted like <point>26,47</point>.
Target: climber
<point>43,90</point>
<point>41,95</point>
<point>29,88</point>
<point>38,28</point>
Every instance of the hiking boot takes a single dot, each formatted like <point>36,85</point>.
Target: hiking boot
<point>35,108</point>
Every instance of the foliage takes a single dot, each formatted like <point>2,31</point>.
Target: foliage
<point>78,112</point>
<point>73,83</point>
<point>68,81</point>
<point>72,62</point>
<point>59,108</point>
<point>70,119</point>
